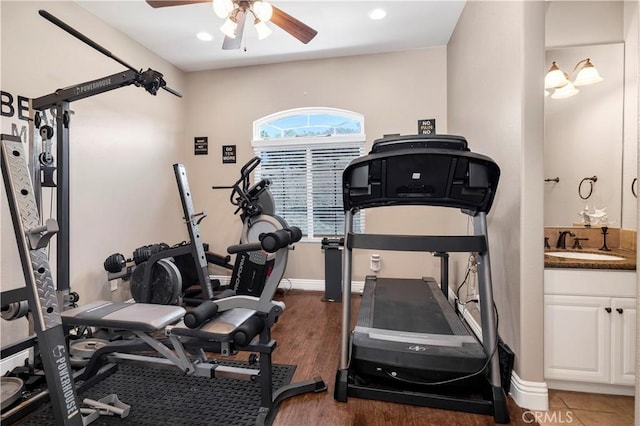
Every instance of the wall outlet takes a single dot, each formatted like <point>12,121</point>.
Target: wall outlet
<point>114,285</point>
<point>374,262</point>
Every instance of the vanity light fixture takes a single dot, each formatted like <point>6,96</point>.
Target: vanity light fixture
<point>565,91</point>
<point>561,84</point>
<point>555,77</point>
<point>588,74</point>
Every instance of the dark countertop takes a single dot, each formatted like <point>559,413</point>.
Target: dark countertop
<point>629,262</point>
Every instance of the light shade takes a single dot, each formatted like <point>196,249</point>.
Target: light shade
<point>565,91</point>
<point>555,77</point>
<point>587,75</point>
<point>263,30</point>
<point>262,10</point>
<point>229,28</point>
<point>222,8</point>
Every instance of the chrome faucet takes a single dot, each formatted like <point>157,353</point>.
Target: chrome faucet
<point>562,239</point>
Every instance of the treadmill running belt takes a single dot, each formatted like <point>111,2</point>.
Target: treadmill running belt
<point>408,305</point>
<point>409,327</point>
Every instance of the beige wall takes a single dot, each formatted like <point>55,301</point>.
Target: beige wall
<point>123,143</point>
<point>393,91</point>
<point>495,99</point>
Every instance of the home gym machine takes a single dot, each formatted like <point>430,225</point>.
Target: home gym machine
<point>257,213</point>
<point>409,345</point>
<point>159,271</point>
<point>44,300</point>
<point>236,323</point>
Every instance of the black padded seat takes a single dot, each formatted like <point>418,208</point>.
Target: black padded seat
<point>128,316</point>
<point>219,329</point>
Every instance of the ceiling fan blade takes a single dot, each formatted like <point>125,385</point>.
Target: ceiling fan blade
<point>234,43</point>
<point>296,28</point>
<point>165,3</point>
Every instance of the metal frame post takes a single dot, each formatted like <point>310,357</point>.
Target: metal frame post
<point>489,320</point>
<point>41,294</point>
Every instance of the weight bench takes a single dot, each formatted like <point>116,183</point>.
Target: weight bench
<point>236,323</point>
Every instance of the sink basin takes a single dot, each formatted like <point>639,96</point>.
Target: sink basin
<point>583,256</point>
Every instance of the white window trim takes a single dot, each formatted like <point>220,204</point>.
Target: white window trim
<point>306,111</point>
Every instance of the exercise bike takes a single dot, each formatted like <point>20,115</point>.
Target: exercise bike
<point>256,207</point>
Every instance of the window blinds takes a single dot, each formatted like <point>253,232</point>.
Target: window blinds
<point>306,183</point>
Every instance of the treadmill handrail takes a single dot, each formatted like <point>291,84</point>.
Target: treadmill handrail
<point>427,243</point>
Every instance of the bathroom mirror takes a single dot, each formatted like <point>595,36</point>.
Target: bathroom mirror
<point>588,161</point>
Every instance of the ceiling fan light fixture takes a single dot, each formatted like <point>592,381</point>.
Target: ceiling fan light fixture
<point>222,8</point>
<point>262,10</point>
<point>229,28</point>
<point>262,29</point>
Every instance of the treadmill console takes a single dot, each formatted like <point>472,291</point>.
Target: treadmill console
<point>436,170</point>
<point>394,142</point>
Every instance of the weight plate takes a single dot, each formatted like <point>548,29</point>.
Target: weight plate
<point>10,390</point>
<point>166,283</point>
<point>85,348</point>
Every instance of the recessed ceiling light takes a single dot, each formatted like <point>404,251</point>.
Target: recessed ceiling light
<point>204,36</point>
<point>377,14</point>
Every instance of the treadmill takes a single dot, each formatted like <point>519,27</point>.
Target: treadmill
<point>409,344</point>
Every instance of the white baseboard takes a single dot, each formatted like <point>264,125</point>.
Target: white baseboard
<point>529,395</point>
<point>603,388</point>
<point>299,284</point>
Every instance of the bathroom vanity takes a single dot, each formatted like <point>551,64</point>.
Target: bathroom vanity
<point>590,321</point>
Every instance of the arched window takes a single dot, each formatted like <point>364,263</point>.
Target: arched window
<point>304,152</point>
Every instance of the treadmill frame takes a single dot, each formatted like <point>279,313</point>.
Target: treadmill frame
<point>495,403</point>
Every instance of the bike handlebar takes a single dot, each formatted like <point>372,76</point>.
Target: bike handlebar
<point>270,242</point>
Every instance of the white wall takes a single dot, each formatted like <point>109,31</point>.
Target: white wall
<point>495,62</point>
<point>123,144</point>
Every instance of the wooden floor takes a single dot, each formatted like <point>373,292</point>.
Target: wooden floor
<point>308,335</point>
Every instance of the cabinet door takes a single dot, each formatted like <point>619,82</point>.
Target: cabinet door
<point>623,344</point>
<point>577,338</point>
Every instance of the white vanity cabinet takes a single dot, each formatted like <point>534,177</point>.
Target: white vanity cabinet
<point>589,329</point>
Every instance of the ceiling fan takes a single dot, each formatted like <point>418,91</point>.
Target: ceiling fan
<point>235,13</point>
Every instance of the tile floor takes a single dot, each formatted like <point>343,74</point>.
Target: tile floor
<point>577,408</point>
